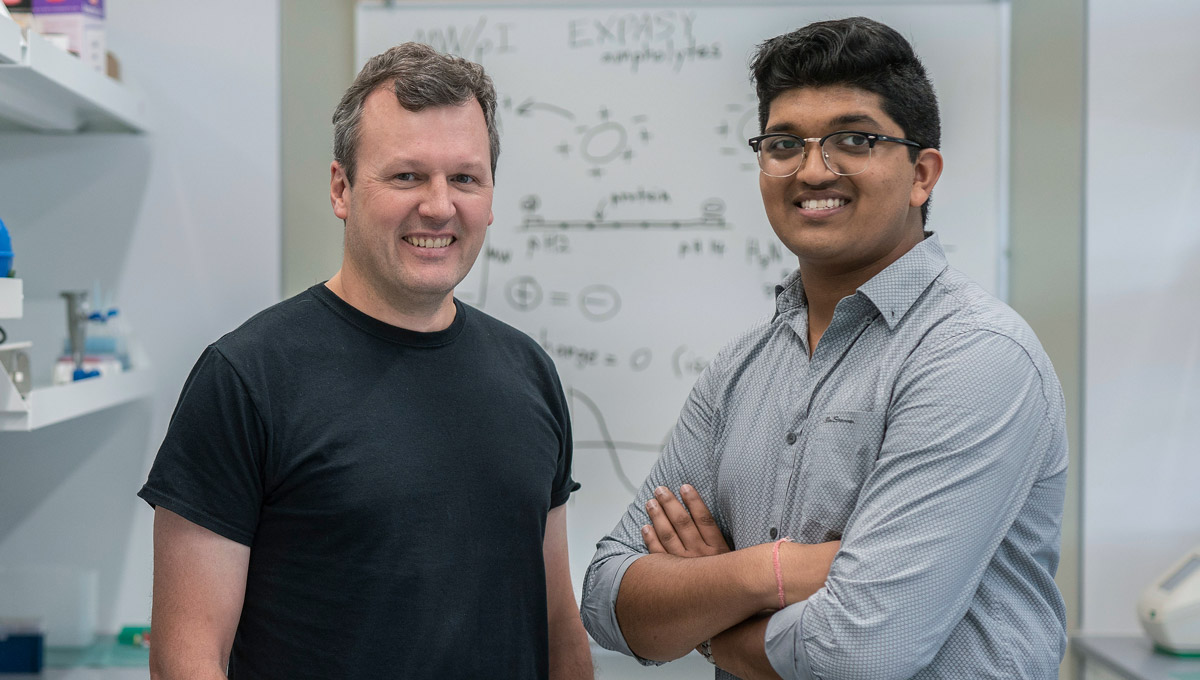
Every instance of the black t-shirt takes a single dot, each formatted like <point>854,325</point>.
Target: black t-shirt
<point>392,486</point>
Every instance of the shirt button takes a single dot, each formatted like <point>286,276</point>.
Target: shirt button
<point>774,532</point>
<point>791,438</point>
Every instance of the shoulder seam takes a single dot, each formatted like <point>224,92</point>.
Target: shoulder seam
<point>242,381</point>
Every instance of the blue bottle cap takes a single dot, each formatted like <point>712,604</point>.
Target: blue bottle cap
<point>6,251</point>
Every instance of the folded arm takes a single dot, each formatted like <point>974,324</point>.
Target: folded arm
<point>692,587</point>
<point>675,601</point>
<point>660,606</point>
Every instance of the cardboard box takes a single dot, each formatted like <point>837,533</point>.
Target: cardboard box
<point>81,21</point>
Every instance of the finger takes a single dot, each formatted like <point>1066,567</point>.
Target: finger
<point>689,536</point>
<point>705,524</point>
<point>663,529</point>
<point>651,540</point>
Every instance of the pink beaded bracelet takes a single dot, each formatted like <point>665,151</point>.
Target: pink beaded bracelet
<point>779,571</point>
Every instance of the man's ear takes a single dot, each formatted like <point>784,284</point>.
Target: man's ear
<point>926,172</point>
<point>339,190</point>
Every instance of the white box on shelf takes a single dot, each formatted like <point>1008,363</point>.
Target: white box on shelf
<point>81,21</point>
<point>12,296</point>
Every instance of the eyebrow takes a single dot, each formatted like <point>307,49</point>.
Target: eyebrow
<point>465,165</point>
<point>838,123</point>
<point>853,119</point>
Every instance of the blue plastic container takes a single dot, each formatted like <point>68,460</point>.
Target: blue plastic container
<point>6,251</point>
<point>22,652</point>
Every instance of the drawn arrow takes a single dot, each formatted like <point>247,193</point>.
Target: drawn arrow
<point>525,108</point>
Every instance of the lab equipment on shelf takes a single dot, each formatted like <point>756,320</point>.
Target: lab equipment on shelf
<point>1169,607</point>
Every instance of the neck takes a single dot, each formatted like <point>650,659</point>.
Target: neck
<point>825,286</point>
<point>423,316</point>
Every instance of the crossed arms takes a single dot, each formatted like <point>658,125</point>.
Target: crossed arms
<point>722,595</point>
<point>954,471</point>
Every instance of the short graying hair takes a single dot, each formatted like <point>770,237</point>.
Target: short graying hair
<point>421,77</point>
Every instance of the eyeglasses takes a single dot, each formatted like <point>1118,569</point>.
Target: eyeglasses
<point>845,152</point>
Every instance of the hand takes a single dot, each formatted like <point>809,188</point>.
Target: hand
<point>674,530</point>
<point>741,650</point>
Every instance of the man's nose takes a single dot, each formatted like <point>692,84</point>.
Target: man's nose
<point>813,170</point>
<point>436,204</point>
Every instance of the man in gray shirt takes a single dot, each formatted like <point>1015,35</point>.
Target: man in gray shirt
<point>902,425</point>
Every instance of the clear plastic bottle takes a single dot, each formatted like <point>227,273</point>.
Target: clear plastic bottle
<point>105,346</point>
<point>119,333</point>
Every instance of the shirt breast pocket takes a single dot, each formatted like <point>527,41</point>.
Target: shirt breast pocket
<point>837,460</point>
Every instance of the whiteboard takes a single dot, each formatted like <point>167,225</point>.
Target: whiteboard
<point>630,239</point>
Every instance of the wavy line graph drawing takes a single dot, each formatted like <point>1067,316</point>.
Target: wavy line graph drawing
<point>606,442</point>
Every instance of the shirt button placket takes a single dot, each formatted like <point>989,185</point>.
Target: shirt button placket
<point>783,476</point>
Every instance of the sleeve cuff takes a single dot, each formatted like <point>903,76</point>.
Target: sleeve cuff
<point>600,607</point>
<point>784,642</point>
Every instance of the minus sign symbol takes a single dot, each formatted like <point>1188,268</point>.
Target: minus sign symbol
<point>560,298</point>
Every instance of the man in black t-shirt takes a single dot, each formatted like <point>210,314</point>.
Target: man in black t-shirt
<point>368,480</point>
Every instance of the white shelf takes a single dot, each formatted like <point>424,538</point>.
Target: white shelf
<point>49,405</point>
<point>46,89</point>
<point>12,298</point>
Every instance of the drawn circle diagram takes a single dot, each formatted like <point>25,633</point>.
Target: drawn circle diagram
<point>604,142</point>
<point>640,360</point>
<point>747,126</point>
<point>608,140</point>
<point>523,293</point>
<point>599,302</point>
<point>713,207</point>
<point>736,132</point>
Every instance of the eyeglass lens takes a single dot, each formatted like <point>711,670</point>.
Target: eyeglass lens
<point>846,153</point>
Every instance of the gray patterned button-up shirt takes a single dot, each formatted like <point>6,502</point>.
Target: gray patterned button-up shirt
<point>927,432</point>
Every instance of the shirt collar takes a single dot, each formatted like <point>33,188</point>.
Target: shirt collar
<point>892,291</point>
<point>790,294</point>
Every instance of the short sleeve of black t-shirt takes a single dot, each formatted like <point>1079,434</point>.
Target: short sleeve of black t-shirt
<point>209,468</point>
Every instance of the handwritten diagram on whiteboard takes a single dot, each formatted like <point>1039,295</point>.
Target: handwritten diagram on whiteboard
<point>630,239</point>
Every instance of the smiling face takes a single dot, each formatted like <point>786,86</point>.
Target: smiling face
<point>419,207</point>
<point>846,226</point>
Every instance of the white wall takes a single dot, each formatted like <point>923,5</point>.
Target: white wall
<point>1142,422</point>
<point>183,224</point>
